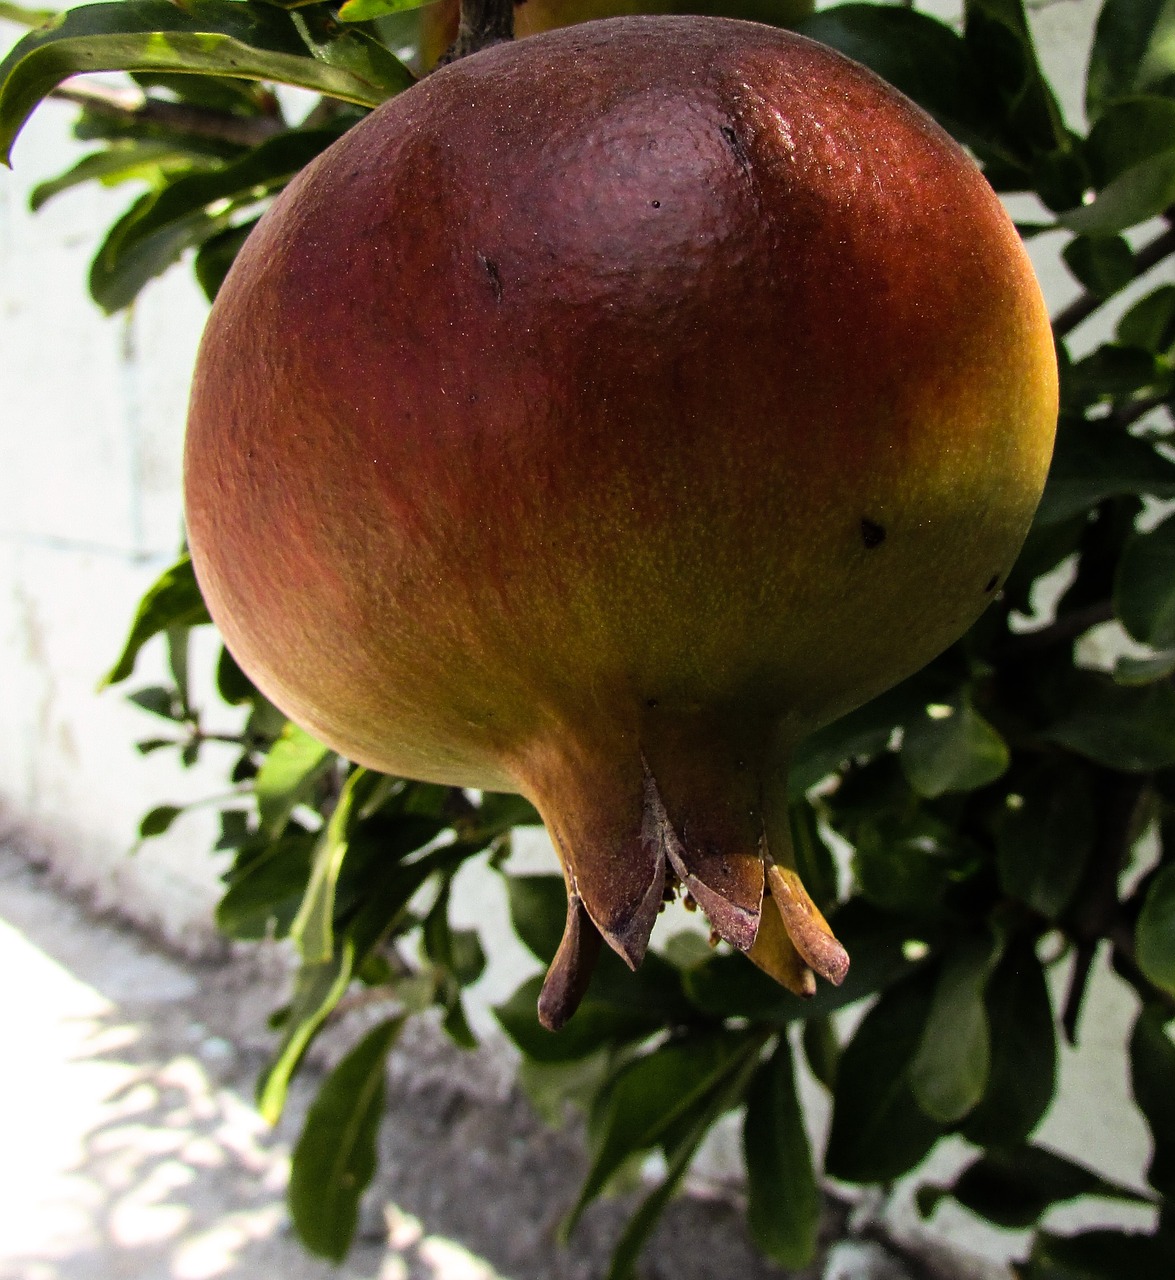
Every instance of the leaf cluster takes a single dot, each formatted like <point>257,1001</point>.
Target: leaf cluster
<point>981,837</point>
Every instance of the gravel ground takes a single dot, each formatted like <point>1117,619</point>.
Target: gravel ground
<point>134,1152</point>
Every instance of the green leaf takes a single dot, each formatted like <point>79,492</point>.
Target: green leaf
<point>878,1129</point>
<point>1132,52</point>
<point>263,899</point>
<point>1127,134</point>
<point>1131,729</point>
<point>646,1098</point>
<point>26,17</point>
<point>1013,1186</point>
<point>192,208</point>
<point>159,820</point>
<point>1100,1255</point>
<point>313,926</point>
<point>1152,1077</point>
<point>217,254</point>
<point>173,600</point>
<point>538,907</point>
<point>822,1050</point>
<point>1044,836</point>
<point>1150,323</point>
<point>1103,264</point>
<point>365,10</point>
<point>722,1098</point>
<point>334,1158</point>
<point>148,162</point>
<point>949,1073</point>
<point>1144,586</point>
<point>1154,935</point>
<point>292,766</point>
<point>1023,1072</point>
<point>240,40</point>
<point>1136,194</point>
<point>813,857</point>
<point>1147,670</point>
<point>317,989</point>
<point>951,747</point>
<point>783,1197</point>
<point>1093,462</point>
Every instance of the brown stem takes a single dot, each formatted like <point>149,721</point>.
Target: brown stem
<point>1081,308</point>
<point>483,23</point>
<point>198,122</point>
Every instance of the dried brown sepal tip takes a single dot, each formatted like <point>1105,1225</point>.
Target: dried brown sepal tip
<point>571,970</point>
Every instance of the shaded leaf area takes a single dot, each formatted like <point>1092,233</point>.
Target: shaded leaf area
<point>174,600</point>
<point>218,37</point>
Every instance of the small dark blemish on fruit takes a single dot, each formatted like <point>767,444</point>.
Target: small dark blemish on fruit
<point>491,269</point>
<point>651,703</point>
<point>656,204</point>
<point>872,534</point>
<point>735,143</point>
<point>992,583</point>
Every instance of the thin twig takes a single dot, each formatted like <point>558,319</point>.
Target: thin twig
<point>483,23</point>
<point>1080,309</point>
<point>197,122</point>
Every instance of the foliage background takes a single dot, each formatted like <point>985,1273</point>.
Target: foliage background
<point>1005,810</point>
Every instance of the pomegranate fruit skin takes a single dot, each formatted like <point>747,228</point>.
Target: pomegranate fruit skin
<point>609,410</point>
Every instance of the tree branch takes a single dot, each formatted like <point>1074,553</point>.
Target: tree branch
<point>1079,310</point>
<point>197,122</point>
<point>483,23</point>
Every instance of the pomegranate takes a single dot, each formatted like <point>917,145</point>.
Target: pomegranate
<point>602,415</point>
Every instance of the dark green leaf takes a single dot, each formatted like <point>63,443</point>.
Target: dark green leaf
<point>949,1073</point>
<point>1014,1186</point>
<point>1150,323</point>
<point>334,1158</point>
<point>233,685</point>
<point>317,989</point>
<point>1131,52</point>
<point>726,1094</point>
<point>538,907</point>
<point>1144,587</point>
<point>878,1130</point>
<point>822,1050</point>
<point>242,40</point>
<point>1152,1077</point>
<point>1154,937</point>
<point>217,254</point>
<point>159,820</point>
<point>173,600</point>
<point>647,1097</point>
<point>904,862</point>
<point>1128,134</point>
<point>292,766</point>
<point>813,857</point>
<point>951,747</point>
<point>159,701</point>
<point>1132,729</point>
<point>1093,462</point>
<point>1044,835</point>
<point>1136,194</point>
<point>1135,671</point>
<point>1101,1255</point>
<point>148,162</point>
<point>1103,264</point>
<point>234,829</point>
<point>1023,1052</point>
<point>263,900</point>
<point>783,1198</point>
<point>1111,374</point>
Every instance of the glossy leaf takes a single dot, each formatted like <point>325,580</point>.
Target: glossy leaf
<point>1144,587</point>
<point>1103,264</point>
<point>334,1158</point>
<point>1150,322</point>
<point>243,40</point>
<point>217,254</point>
<point>1129,133</point>
<point>783,1197</point>
<point>1136,194</point>
<point>292,766</point>
<point>1023,1072</point>
<point>538,905</point>
<point>365,10</point>
<point>1093,462</point>
<point>1152,1078</point>
<point>263,899</point>
<point>949,1073</point>
<point>174,600</point>
<point>148,162</point>
<point>951,747</point>
<point>878,1129</point>
<point>1154,935</point>
<point>1131,52</point>
<point>1043,840</point>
